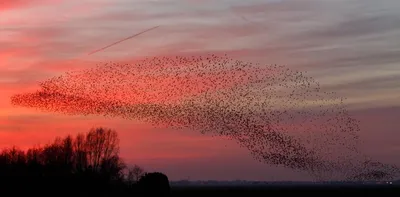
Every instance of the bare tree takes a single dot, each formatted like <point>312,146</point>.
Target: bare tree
<point>101,144</point>
<point>13,155</point>
<point>35,155</point>
<point>68,151</point>
<point>113,168</point>
<point>80,157</point>
<point>91,159</point>
<point>134,174</point>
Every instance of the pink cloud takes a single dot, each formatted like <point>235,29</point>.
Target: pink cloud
<point>16,4</point>
<point>272,7</point>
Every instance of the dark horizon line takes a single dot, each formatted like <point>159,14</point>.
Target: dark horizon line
<point>257,181</point>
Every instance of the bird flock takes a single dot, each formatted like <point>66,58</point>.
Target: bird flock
<point>283,117</point>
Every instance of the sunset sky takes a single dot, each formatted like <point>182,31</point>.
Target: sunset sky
<point>351,47</point>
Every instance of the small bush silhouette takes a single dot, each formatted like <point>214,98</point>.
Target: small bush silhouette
<point>155,183</point>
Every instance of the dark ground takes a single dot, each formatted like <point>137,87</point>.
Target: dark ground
<point>377,190</point>
<point>222,191</point>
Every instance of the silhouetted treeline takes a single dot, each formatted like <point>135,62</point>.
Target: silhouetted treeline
<point>82,164</point>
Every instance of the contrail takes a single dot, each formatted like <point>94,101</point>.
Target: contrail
<point>98,50</point>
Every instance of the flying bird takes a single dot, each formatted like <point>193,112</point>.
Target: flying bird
<point>101,49</point>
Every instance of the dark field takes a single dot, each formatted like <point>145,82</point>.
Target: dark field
<point>375,190</point>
